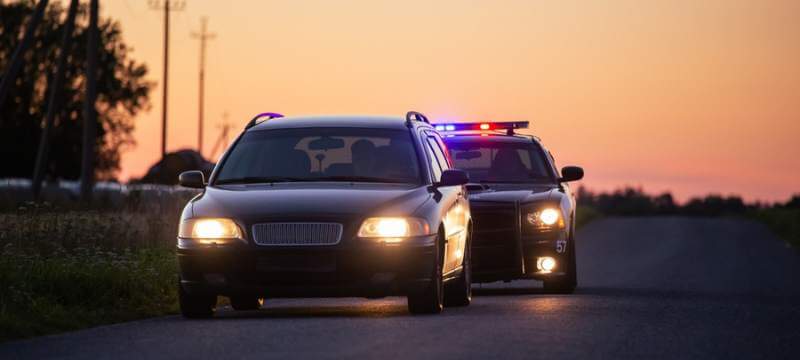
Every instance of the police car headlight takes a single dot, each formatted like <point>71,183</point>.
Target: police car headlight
<point>546,218</point>
<point>390,228</point>
<point>208,231</point>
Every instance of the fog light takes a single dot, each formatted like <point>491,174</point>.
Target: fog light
<point>545,264</point>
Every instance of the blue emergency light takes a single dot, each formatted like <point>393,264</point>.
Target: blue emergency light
<point>500,125</point>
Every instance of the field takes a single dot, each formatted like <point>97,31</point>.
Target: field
<point>66,267</point>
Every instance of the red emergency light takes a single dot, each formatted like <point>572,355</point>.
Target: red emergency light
<point>510,126</point>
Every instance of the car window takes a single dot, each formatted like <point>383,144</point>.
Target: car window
<point>552,161</point>
<point>322,154</point>
<point>497,161</point>
<point>438,153</point>
<point>445,154</point>
<point>435,164</point>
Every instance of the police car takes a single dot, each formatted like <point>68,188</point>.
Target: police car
<point>522,208</point>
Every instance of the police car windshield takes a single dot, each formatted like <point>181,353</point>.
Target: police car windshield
<point>321,154</point>
<point>500,162</point>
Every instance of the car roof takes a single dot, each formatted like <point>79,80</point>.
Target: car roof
<point>356,121</point>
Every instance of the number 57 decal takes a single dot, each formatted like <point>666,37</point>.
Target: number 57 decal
<point>561,246</point>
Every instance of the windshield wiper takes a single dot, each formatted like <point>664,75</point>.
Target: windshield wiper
<point>258,179</point>
<point>356,179</point>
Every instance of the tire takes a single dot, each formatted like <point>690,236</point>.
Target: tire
<point>196,306</point>
<point>458,292</point>
<point>565,284</point>
<point>245,302</point>
<point>430,299</point>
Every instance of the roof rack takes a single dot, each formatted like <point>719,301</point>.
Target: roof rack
<point>258,119</point>
<point>416,116</point>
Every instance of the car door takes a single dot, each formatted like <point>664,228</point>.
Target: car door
<point>455,209</point>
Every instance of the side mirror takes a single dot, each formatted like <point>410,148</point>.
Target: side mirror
<point>571,173</point>
<point>453,178</point>
<point>192,179</point>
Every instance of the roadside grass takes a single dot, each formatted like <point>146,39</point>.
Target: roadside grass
<point>783,221</point>
<point>83,287</point>
<point>66,267</point>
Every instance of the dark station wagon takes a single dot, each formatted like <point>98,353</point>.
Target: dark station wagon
<point>327,207</point>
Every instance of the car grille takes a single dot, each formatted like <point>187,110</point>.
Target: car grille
<point>297,234</point>
<point>495,235</point>
<point>493,221</point>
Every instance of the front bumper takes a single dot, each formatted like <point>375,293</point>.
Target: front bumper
<point>514,257</point>
<point>353,268</point>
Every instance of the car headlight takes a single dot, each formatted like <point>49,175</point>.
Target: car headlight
<point>546,218</point>
<point>208,231</point>
<point>393,229</point>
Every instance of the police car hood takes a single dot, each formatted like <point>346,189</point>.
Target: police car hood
<point>308,200</point>
<point>514,193</point>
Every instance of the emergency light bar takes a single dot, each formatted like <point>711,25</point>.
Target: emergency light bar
<point>502,125</point>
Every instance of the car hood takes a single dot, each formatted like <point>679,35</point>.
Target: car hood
<point>250,203</point>
<point>514,193</point>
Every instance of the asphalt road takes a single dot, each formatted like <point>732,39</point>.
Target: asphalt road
<point>649,288</point>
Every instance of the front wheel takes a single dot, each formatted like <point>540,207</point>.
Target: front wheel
<point>196,306</point>
<point>565,284</point>
<point>458,292</point>
<point>430,298</point>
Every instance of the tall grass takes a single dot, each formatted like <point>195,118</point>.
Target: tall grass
<point>67,266</point>
<point>69,290</point>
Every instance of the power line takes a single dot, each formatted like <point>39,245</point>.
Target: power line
<point>202,36</point>
<point>166,6</point>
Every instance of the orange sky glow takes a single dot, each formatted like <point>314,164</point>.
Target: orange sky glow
<point>694,97</point>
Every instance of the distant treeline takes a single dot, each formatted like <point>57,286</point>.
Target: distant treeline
<point>634,201</point>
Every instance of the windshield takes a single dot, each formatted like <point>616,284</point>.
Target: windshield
<point>500,162</point>
<point>321,154</point>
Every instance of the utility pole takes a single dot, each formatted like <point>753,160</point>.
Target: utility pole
<point>223,137</point>
<point>166,6</point>
<point>202,36</point>
<point>89,110</point>
<point>10,74</point>
<point>52,103</point>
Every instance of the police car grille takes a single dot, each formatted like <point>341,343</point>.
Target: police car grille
<point>494,224</point>
<point>297,234</point>
<point>494,218</point>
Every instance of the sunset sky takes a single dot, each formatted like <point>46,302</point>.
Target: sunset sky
<point>688,96</point>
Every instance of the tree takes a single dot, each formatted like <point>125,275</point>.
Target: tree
<point>122,92</point>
